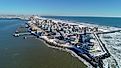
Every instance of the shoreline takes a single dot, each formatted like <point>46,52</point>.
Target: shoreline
<point>37,27</point>
<point>78,53</point>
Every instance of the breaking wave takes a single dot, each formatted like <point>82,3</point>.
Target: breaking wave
<point>113,44</point>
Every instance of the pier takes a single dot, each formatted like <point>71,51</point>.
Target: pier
<point>74,37</point>
<point>21,34</point>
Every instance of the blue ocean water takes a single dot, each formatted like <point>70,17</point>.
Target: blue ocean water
<point>106,21</point>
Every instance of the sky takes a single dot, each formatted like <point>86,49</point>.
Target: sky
<point>62,7</point>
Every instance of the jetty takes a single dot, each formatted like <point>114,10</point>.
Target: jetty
<point>82,40</point>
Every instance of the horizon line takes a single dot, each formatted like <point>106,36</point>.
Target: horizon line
<point>59,15</point>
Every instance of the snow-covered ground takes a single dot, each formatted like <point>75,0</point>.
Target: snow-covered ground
<point>111,40</point>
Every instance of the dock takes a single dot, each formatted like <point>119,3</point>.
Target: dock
<point>82,40</point>
<point>21,34</point>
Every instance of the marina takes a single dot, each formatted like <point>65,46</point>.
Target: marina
<point>82,40</point>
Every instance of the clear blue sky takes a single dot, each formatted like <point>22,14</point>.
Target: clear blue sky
<point>62,7</point>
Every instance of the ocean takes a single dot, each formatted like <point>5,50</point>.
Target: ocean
<point>33,53</point>
<point>105,21</point>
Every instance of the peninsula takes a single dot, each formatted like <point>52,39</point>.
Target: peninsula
<point>80,40</point>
